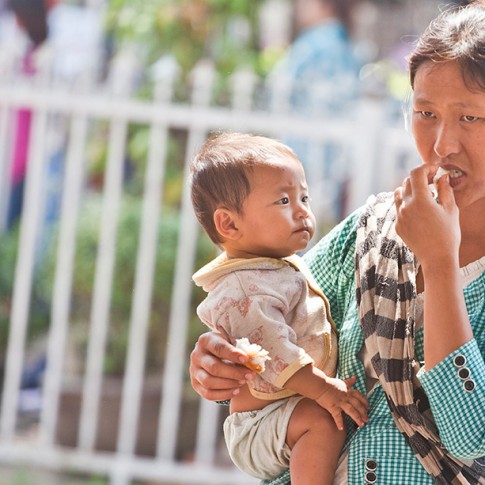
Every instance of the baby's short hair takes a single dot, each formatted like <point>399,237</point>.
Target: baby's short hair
<point>219,173</point>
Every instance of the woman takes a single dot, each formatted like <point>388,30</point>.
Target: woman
<point>411,314</point>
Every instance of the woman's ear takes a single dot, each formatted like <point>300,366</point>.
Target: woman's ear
<point>226,224</point>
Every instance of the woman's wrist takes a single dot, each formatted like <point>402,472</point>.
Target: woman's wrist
<point>444,267</point>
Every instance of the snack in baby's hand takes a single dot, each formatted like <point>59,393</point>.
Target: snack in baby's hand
<point>255,352</point>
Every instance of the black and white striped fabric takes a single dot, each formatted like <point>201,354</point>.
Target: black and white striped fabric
<point>386,296</point>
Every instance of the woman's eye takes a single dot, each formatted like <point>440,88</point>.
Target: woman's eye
<point>426,114</point>
<point>470,118</point>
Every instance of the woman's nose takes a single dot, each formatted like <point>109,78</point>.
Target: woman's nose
<point>447,141</point>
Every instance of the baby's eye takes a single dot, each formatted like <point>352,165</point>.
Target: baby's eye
<point>283,201</point>
<point>305,199</point>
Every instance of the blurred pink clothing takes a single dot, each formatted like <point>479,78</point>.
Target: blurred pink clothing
<point>22,130</point>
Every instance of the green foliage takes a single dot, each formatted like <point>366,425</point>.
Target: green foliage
<point>39,308</point>
<point>123,282</point>
<point>8,257</point>
<point>224,30</point>
<point>124,278</point>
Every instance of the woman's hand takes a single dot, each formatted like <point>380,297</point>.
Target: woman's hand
<point>429,228</point>
<point>216,372</point>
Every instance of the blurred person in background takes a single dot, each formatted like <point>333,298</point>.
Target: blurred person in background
<point>71,38</point>
<point>323,68</point>
<point>31,18</point>
<point>322,51</point>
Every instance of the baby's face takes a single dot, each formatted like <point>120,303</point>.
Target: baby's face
<point>276,219</point>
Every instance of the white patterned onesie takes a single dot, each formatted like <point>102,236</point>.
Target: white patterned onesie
<point>274,303</point>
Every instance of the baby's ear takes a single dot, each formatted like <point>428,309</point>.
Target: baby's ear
<point>226,224</point>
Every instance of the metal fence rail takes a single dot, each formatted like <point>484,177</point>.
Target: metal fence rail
<point>378,153</point>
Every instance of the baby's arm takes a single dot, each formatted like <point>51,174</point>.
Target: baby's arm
<point>261,318</point>
<point>334,395</point>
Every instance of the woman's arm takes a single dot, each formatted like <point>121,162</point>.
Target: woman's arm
<point>432,231</point>
<point>458,403</point>
<point>454,380</point>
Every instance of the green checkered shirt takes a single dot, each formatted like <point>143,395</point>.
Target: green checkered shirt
<point>459,415</point>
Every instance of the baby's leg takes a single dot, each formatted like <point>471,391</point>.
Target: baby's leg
<point>315,444</point>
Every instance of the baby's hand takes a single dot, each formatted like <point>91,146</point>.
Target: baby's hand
<point>339,396</point>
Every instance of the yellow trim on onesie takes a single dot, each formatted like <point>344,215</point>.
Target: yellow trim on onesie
<point>303,268</point>
<point>303,360</point>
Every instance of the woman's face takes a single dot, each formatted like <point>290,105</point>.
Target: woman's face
<point>448,124</point>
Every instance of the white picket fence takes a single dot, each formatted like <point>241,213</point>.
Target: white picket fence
<point>377,154</point>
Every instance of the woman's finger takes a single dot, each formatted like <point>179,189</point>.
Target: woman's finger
<point>212,373</point>
<point>212,394</point>
<point>446,196</point>
<point>421,177</point>
<point>215,344</point>
<point>215,380</point>
<point>398,197</point>
<point>216,368</point>
<point>407,189</point>
<point>225,377</point>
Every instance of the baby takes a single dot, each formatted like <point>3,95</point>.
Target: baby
<point>250,195</point>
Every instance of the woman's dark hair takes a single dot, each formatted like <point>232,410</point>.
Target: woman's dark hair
<point>457,34</point>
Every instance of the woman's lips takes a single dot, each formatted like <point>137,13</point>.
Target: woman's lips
<point>455,174</point>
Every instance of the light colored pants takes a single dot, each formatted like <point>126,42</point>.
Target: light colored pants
<point>256,440</point>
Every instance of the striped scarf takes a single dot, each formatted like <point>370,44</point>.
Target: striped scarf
<point>386,296</point>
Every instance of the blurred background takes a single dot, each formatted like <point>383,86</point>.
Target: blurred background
<point>102,103</point>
